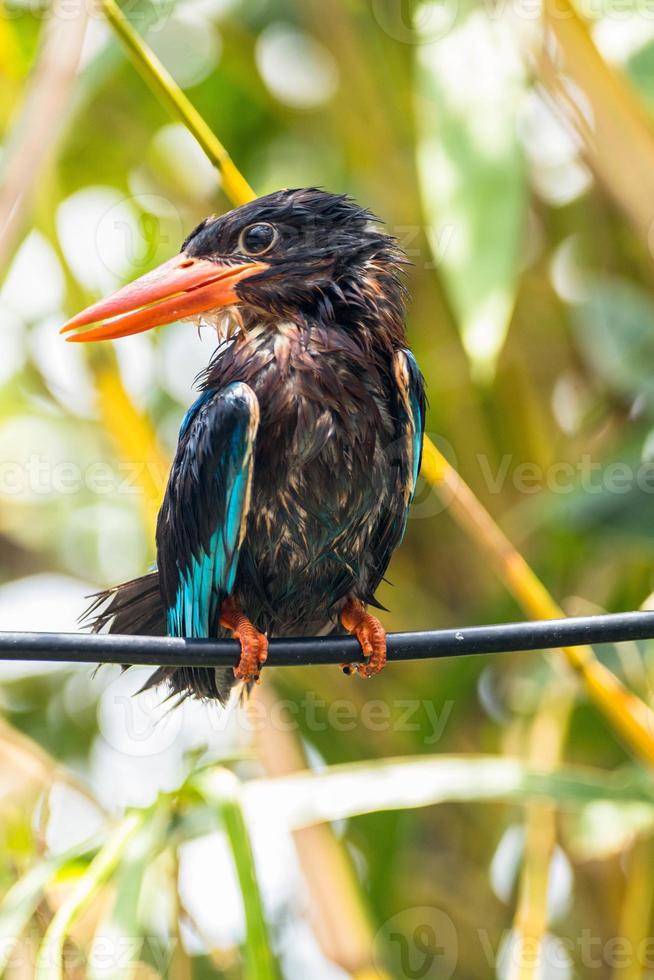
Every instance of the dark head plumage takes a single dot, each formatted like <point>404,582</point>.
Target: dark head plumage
<point>296,253</point>
<point>327,257</point>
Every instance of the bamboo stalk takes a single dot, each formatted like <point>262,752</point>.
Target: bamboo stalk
<point>627,714</point>
<point>40,121</point>
<point>335,895</point>
<point>635,918</point>
<point>618,141</point>
<point>28,769</point>
<point>161,81</point>
<point>546,741</point>
<point>38,126</point>
<point>134,438</point>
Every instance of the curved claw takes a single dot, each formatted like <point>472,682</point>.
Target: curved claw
<point>371,636</point>
<point>254,645</point>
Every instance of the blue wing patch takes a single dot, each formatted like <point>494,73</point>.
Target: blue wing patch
<point>416,401</point>
<point>203,517</point>
<point>205,397</point>
<point>410,425</point>
<point>412,418</point>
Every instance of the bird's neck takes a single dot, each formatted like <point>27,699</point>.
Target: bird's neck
<point>372,329</point>
<point>283,345</point>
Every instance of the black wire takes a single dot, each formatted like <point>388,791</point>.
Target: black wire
<point>436,644</point>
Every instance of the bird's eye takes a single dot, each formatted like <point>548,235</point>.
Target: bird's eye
<point>257,239</point>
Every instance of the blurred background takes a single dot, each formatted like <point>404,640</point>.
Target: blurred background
<point>511,150</point>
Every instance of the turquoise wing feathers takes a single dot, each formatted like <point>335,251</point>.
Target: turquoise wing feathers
<point>203,517</point>
<point>405,456</point>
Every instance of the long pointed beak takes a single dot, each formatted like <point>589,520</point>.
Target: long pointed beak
<point>179,288</point>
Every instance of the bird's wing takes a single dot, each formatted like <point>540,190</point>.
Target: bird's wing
<point>203,516</point>
<point>406,456</point>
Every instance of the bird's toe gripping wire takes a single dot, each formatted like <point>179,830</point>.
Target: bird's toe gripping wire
<point>254,645</point>
<point>371,636</point>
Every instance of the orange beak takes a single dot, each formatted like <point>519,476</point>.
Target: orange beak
<point>179,288</point>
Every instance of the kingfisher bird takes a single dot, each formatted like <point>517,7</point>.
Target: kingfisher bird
<point>296,465</point>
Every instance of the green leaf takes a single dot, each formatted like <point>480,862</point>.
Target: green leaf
<point>222,788</point>
<point>472,172</point>
<point>119,938</point>
<point>49,961</point>
<point>603,830</point>
<point>639,68</point>
<point>615,331</point>
<point>392,784</point>
<point>21,901</point>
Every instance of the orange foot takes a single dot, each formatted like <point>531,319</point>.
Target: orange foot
<point>254,645</point>
<point>371,635</point>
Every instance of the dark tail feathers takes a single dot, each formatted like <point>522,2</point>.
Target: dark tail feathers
<point>135,608</point>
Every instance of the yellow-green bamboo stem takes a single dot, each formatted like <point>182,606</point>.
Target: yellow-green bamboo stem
<point>547,736</point>
<point>158,78</point>
<point>134,439</point>
<point>619,142</point>
<point>630,716</point>
<point>340,918</point>
<point>635,919</point>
